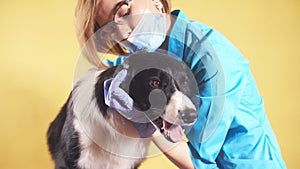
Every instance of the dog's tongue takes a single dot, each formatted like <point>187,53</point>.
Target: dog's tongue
<point>175,132</point>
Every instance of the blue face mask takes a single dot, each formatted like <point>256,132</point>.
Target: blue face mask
<point>149,33</point>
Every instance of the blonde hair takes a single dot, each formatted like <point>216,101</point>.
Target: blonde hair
<point>86,26</point>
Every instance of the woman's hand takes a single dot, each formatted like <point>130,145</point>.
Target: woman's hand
<point>116,98</point>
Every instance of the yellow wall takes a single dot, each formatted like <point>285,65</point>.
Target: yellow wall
<point>39,50</point>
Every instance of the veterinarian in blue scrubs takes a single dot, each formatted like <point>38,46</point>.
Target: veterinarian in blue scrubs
<point>232,130</point>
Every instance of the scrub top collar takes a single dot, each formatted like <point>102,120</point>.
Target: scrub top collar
<point>177,34</point>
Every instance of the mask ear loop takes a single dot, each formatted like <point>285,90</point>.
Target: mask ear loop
<point>159,6</point>
<point>147,4</point>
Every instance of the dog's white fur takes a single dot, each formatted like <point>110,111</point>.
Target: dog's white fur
<point>110,142</point>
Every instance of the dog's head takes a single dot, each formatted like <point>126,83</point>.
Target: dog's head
<point>158,86</point>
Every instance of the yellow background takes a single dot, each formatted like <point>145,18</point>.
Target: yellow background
<point>39,50</point>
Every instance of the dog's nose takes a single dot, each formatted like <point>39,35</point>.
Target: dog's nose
<point>188,115</point>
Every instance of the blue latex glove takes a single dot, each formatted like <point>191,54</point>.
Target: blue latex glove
<point>117,98</point>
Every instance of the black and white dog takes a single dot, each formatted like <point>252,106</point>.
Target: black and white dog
<point>87,134</point>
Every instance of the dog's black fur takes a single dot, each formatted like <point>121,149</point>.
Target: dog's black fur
<point>64,149</point>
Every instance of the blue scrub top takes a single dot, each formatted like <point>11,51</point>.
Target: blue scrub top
<point>232,130</point>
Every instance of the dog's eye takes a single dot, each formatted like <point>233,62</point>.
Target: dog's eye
<point>154,83</point>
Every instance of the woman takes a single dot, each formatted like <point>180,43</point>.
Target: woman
<point>232,130</point>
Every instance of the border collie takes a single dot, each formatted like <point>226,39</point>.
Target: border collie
<point>87,134</point>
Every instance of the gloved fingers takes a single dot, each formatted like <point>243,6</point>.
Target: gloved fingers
<point>120,106</point>
<point>121,96</point>
<point>120,77</point>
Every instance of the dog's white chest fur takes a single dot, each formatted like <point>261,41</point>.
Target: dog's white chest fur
<point>111,151</point>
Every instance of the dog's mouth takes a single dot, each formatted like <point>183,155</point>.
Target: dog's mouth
<point>172,132</point>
